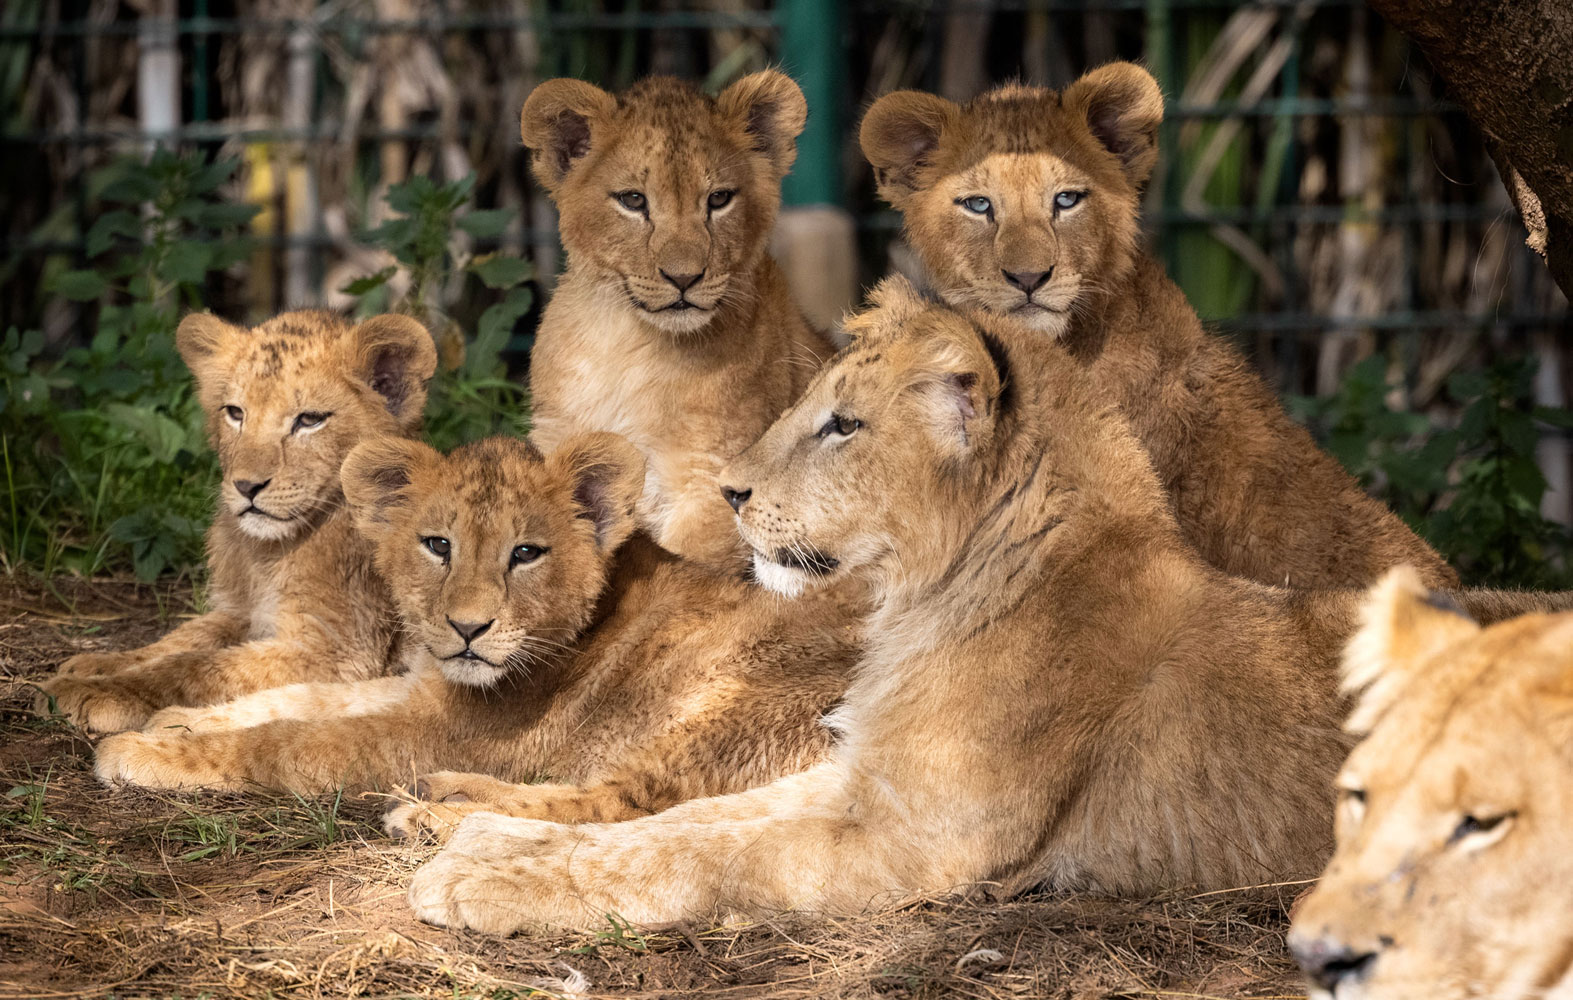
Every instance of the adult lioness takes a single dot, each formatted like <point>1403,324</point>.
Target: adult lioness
<point>294,594</point>
<point>1024,202</point>
<point>1452,870</point>
<point>541,648</point>
<point>1056,690</point>
<point>671,326</point>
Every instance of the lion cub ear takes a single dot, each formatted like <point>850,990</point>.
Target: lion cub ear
<point>606,474</point>
<point>770,109</point>
<point>203,341</point>
<point>1403,627</point>
<point>899,135</point>
<point>395,355</point>
<point>960,387</point>
<point>1123,107</point>
<point>557,123</point>
<point>376,476</point>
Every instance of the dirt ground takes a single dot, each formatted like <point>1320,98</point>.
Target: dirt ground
<point>128,894</point>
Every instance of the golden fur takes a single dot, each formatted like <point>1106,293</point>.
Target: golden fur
<point>1251,490</point>
<point>1057,690</point>
<point>1452,870</point>
<point>691,387</point>
<point>638,680</point>
<point>293,591</point>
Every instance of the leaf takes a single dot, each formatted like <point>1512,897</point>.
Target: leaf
<point>1464,386</point>
<point>214,174</point>
<point>493,331</point>
<point>1518,432</point>
<point>1555,416</point>
<point>188,262</point>
<point>486,224</point>
<point>163,436</point>
<point>79,286</point>
<point>500,271</point>
<point>1525,479</point>
<point>110,225</point>
<point>360,286</point>
<point>225,215</point>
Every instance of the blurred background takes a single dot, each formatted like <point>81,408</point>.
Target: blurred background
<point>1320,200</point>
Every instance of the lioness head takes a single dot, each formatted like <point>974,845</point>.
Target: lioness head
<point>1024,200</point>
<point>494,554</point>
<point>1452,872</point>
<point>287,400</point>
<point>882,437</point>
<point>665,193</point>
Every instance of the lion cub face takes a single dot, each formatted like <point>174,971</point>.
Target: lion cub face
<point>853,473</point>
<point>495,555</point>
<point>1452,869</point>
<point>1024,201</point>
<point>664,193</point>
<point>287,400</point>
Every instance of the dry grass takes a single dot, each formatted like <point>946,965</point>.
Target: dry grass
<point>130,894</point>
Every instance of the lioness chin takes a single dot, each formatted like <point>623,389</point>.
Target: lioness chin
<point>294,594</point>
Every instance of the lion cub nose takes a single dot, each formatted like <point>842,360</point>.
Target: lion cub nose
<point>1328,962</point>
<point>683,281</point>
<point>470,631</point>
<point>737,498</point>
<point>1028,281</point>
<point>249,489</point>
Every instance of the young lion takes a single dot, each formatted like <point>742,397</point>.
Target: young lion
<point>671,326</point>
<point>1452,870</point>
<point>1024,202</point>
<point>639,679</point>
<point>295,596</point>
<point>1056,688</point>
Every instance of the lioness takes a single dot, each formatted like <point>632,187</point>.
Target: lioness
<point>1024,202</point>
<point>1057,690</point>
<point>542,645</point>
<point>1453,868</point>
<point>671,326</point>
<point>294,594</point>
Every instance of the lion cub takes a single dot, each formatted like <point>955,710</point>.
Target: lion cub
<point>1452,870</point>
<point>543,648</point>
<point>1024,202</point>
<point>671,326</point>
<point>294,593</point>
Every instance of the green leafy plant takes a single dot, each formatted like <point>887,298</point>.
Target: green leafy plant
<point>471,395</point>
<point>105,463</point>
<point>1472,489</point>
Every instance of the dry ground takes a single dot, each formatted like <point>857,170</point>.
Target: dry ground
<point>127,894</point>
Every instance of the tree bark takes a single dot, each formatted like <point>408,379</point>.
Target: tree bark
<point>1510,64</point>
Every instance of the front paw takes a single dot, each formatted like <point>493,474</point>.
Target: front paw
<point>155,760</point>
<point>439,819</point>
<point>98,664</point>
<point>464,891</point>
<point>96,705</point>
<point>179,719</point>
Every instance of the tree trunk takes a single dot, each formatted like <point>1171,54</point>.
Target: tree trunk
<point>1510,64</point>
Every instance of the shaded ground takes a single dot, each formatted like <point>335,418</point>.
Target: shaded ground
<point>131,894</point>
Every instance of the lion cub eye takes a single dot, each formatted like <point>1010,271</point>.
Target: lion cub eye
<point>437,546</point>
<point>976,204</point>
<point>1068,199</point>
<point>235,414</point>
<point>526,554</point>
<point>308,420</point>
<point>840,426</point>
<point>720,199</point>
<point>634,201</point>
<point>1475,832</point>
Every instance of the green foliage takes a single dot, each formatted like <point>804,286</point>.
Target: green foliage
<point>472,397</point>
<point>105,463</point>
<point>1473,490</point>
<point>103,456</point>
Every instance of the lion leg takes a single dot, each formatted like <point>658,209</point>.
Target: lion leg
<point>445,798</point>
<point>126,700</point>
<point>791,844</point>
<point>307,700</point>
<point>204,633</point>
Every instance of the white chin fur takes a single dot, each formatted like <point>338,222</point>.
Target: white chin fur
<point>1052,323</point>
<point>471,673</point>
<point>680,320</point>
<point>267,529</point>
<point>778,578</point>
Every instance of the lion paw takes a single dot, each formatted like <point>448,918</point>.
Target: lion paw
<point>85,665</point>
<point>439,819</point>
<point>93,703</point>
<point>154,760</point>
<point>464,891</point>
<point>179,718</point>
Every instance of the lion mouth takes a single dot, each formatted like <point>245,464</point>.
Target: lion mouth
<point>804,559</point>
<point>254,509</point>
<point>1029,304</point>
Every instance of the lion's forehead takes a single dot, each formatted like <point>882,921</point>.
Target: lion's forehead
<point>684,160</point>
